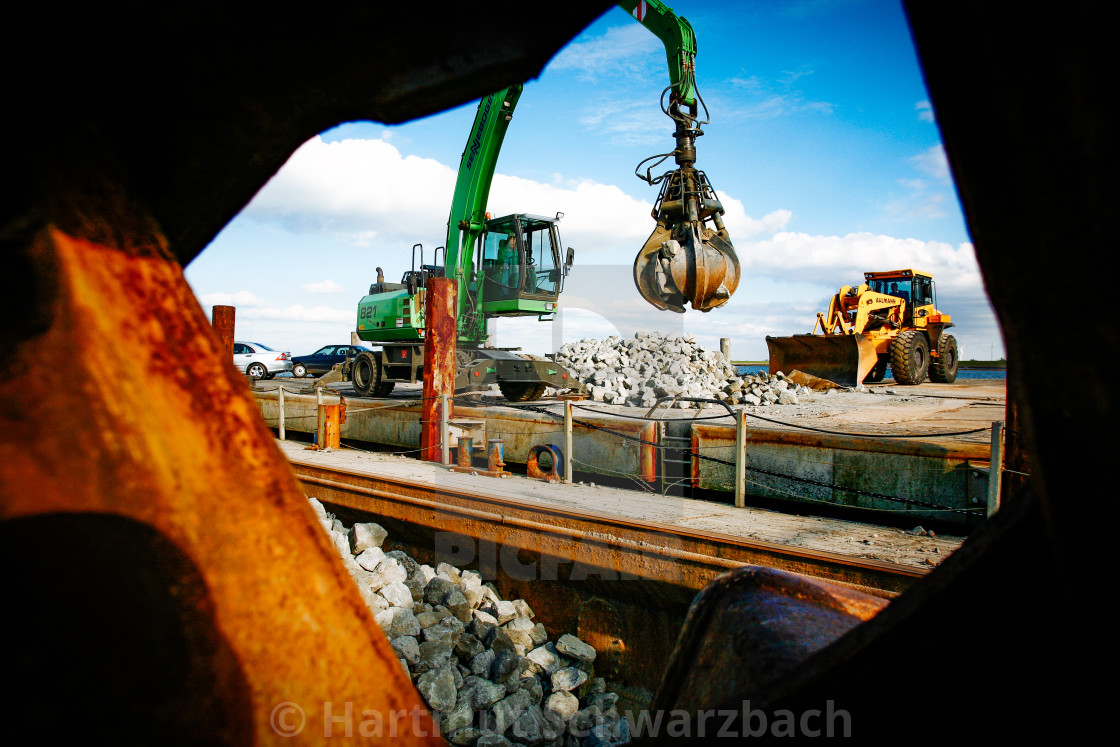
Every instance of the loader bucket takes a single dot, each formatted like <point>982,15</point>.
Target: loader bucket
<point>842,359</point>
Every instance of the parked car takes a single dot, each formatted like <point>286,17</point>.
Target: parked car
<point>260,361</point>
<point>323,359</point>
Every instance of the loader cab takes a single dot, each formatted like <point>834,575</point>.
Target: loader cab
<point>520,266</point>
<point>915,288</point>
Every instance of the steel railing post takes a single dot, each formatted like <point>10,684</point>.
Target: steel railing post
<point>741,458</point>
<point>319,416</point>
<point>444,432</point>
<point>280,419</point>
<point>567,440</point>
<point>995,467</point>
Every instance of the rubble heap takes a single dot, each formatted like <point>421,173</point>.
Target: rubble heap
<point>639,371</point>
<point>487,671</point>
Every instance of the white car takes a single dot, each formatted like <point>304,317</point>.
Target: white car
<point>260,361</point>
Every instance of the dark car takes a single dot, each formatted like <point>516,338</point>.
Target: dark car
<point>323,359</point>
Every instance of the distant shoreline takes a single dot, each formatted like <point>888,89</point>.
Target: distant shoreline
<point>971,365</point>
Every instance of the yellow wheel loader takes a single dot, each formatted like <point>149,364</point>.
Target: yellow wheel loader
<point>890,318</point>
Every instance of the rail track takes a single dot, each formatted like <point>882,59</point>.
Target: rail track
<point>623,585</point>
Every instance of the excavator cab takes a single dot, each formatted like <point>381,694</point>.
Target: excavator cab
<point>520,267</point>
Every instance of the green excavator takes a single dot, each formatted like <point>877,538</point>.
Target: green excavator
<point>514,265</point>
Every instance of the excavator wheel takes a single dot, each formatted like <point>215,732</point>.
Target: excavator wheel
<point>366,373</point>
<point>521,391</point>
<point>910,357</point>
<point>943,368</point>
<point>876,375</point>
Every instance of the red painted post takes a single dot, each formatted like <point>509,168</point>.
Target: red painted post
<point>222,320</point>
<point>439,362</point>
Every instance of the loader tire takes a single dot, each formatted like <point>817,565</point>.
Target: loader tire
<point>876,375</point>
<point>521,391</point>
<point>910,357</point>
<point>943,368</point>
<point>385,388</point>
<point>365,372</point>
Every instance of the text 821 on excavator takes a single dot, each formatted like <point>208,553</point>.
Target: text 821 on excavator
<point>888,319</point>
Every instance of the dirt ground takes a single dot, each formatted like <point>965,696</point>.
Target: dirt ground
<point>963,410</point>
<point>891,409</point>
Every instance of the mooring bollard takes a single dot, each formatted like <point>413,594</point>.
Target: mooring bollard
<point>495,451</point>
<point>280,419</point>
<point>332,427</point>
<point>466,452</point>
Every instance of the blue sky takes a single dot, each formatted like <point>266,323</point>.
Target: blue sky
<point>822,145</point>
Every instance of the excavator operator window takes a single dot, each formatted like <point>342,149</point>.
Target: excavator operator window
<point>542,276</point>
<point>519,258</point>
<point>501,263</point>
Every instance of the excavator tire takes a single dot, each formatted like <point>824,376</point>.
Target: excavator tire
<point>876,375</point>
<point>943,368</point>
<point>521,391</point>
<point>366,373</point>
<point>910,357</point>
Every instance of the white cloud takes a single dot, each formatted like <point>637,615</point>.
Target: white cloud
<point>925,111</point>
<point>625,121</point>
<point>365,193</point>
<point>298,313</point>
<point>600,220</point>
<point>832,261</point>
<point>770,99</point>
<point>250,306</point>
<point>361,191</point>
<point>918,205</point>
<point>933,162</point>
<point>324,287</point>
<point>239,299</point>
<point>622,51</point>
<point>742,226</point>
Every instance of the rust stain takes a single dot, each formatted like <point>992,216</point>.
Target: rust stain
<point>222,319</point>
<point>439,362</point>
<point>146,419</point>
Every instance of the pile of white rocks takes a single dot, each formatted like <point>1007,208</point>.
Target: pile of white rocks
<point>488,673</point>
<point>639,371</point>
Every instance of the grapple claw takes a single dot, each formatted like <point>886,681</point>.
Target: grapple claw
<point>684,260</point>
<point>689,264</point>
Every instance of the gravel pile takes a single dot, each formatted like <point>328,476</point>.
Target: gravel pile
<point>488,673</point>
<point>639,371</point>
